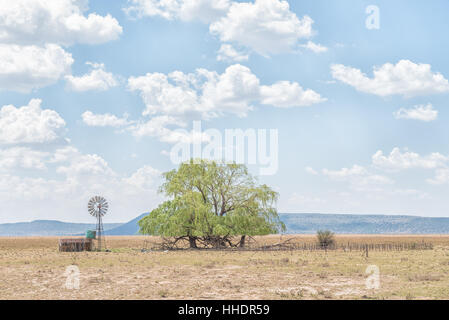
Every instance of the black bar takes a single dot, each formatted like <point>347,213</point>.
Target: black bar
<point>232,309</point>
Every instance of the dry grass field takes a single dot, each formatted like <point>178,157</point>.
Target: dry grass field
<point>32,268</point>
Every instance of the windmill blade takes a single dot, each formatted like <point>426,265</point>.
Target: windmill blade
<point>97,206</point>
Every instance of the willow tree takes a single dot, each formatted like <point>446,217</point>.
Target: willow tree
<point>213,204</point>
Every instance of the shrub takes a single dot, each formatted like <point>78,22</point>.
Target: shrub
<point>325,238</point>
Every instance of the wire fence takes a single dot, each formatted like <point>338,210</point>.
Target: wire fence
<point>290,245</point>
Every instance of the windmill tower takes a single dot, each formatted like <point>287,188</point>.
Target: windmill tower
<point>97,207</point>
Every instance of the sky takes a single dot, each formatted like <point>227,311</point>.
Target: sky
<point>96,95</point>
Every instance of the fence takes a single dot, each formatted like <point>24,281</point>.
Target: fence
<point>289,245</point>
<point>364,247</point>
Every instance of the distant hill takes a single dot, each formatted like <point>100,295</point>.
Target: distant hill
<point>129,228</point>
<point>295,223</point>
<point>48,228</point>
<point>364,224</point>
<point>338,223</point>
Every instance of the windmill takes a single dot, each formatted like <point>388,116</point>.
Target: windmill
<point>97,207</point>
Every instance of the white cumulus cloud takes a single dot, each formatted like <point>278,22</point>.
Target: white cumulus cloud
<point>96,79</point>
<point>161,127</point>
<point>22,157</point>
<point>29,124</point>
<point>403,78</point>
<point>24,68</point>
<point>75,178</point>
<point>209,94</point>
<point>172,99</point>
<point>359,177</point>
<point>398,160</point>
<point>87,164</point>
<point>32,33</point>
<point>421,112</point>
<point>228,53</point>
<point>54,21</point>
<point>104,120</point>
<point>285,94</point>
<point>144,177</point>
<point>315,47</point>
<point>265,26</point>
<point>186,10</point>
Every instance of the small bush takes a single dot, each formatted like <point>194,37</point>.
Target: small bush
<point>325,238</point>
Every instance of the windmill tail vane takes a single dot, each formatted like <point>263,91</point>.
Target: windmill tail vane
<point>97,207</point>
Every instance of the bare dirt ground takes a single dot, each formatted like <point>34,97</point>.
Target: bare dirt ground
<point>32,268</point>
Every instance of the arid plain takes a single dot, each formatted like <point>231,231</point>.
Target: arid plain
<point>32,268</point>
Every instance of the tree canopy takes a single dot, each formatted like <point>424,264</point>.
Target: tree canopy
<point>213,203</point>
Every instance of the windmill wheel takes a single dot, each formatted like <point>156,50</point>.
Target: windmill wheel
<point>97,206</point>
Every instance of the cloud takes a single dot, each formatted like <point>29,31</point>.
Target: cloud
<point>61,179</point>
<point>208,94</point>
<point>32,33</point>
<point>370,182</point>
<point>265,26</point>
<point>398,160</point>
<point>441,177</point>
<point>75,178</point>
<point>54,21</point>
<point>89,164</point>
<point>174,98</point>
<point>317,48</point>
<point>104,120</point>
<point>230,92</point>
<point>186,10</point>
<point>158,127</point>
<point>144,177</point>
<point>64,154</point>
<point>22,157</point>
<point>203,10</point>
<point>359,177</point>
<point>356,170</point>
<point>29,124</point>
<point>24,68</point>
<point>404,78</point>
<point>421,112</point>
<point>90,173</point>
<point>363,179</point>
<point>285,94</point>
<point>97,79</point>
<point>173,94</point>
<point>155,127</point>
<point>228,53</point>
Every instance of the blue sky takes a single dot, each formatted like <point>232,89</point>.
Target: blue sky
<point>90,102</point>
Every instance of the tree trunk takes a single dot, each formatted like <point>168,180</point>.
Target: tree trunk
<point>242,241</point>
<point>192,241</point>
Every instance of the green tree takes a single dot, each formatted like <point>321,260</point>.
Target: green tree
<point>213,204</point>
